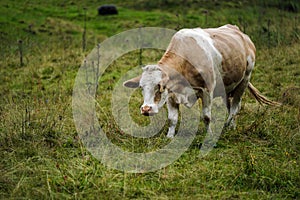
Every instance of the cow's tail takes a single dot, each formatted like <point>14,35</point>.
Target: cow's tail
<point>261,98</point>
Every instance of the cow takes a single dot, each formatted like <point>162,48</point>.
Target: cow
<point>195,58</point>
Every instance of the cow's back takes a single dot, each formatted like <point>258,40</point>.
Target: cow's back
<point>192,54</point>
<point>196,53</point>
<point>236,49</point>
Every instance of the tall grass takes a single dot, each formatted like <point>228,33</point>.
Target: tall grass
<point>41,154</point>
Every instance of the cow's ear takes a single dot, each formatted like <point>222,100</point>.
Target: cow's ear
<point>133,83</point>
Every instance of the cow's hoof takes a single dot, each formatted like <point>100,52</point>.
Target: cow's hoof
<point>229,125</point>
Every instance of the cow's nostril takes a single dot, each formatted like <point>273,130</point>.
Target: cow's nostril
<point>146,108</point>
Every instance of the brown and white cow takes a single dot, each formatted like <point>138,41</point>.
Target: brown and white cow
<point>198,57</point>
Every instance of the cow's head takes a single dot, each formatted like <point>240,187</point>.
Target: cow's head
<point>153,83</point>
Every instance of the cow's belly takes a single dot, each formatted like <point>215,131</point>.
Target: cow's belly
<point>230,87</point>
<point>232,76</point>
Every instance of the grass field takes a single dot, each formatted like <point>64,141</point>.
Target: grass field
<point>43,44</point>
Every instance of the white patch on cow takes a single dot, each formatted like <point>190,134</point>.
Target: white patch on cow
<point>250,65</point>
<point>204,41</point>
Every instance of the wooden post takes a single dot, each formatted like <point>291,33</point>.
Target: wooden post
<point>205,12</point>
<point>140,48</point>
<point>20,44</point>
<point>97,67</point>
<point>178,22</point>
<point>296,26</point>
<point>269,33</point>
<point>84,32</point>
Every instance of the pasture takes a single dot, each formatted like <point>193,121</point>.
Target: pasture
<point>43,44</point>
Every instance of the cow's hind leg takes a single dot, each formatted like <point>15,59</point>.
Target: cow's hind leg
<point>235,104</point>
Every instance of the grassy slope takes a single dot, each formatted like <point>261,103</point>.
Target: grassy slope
<point>42,156</point>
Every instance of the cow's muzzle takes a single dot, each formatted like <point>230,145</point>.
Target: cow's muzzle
<point>147,110</point>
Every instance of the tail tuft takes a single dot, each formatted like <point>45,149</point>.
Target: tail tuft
<point>261,98</point>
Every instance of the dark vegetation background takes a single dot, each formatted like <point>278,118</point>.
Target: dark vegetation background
<point>43,44</point>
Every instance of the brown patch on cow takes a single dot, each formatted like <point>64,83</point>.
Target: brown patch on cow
<point>157,97</point>
<point>234,47</point>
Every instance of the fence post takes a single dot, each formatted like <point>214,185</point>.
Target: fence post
<point>97,67</point>
<point>140,48</point>
<point>205,12</point>
<point>84,31</point>
<point>178,22</point>
<point>296,30</point>
<point>269,33</point>
<point>20,44</point>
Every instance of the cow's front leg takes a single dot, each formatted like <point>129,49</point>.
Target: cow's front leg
<point>206,109</point>
<point>173,108</point>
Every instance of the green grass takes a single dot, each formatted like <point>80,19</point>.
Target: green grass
<point>42,156</point>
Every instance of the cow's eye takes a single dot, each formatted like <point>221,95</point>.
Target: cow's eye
<point>161,88</point>
<point>156,88</point>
